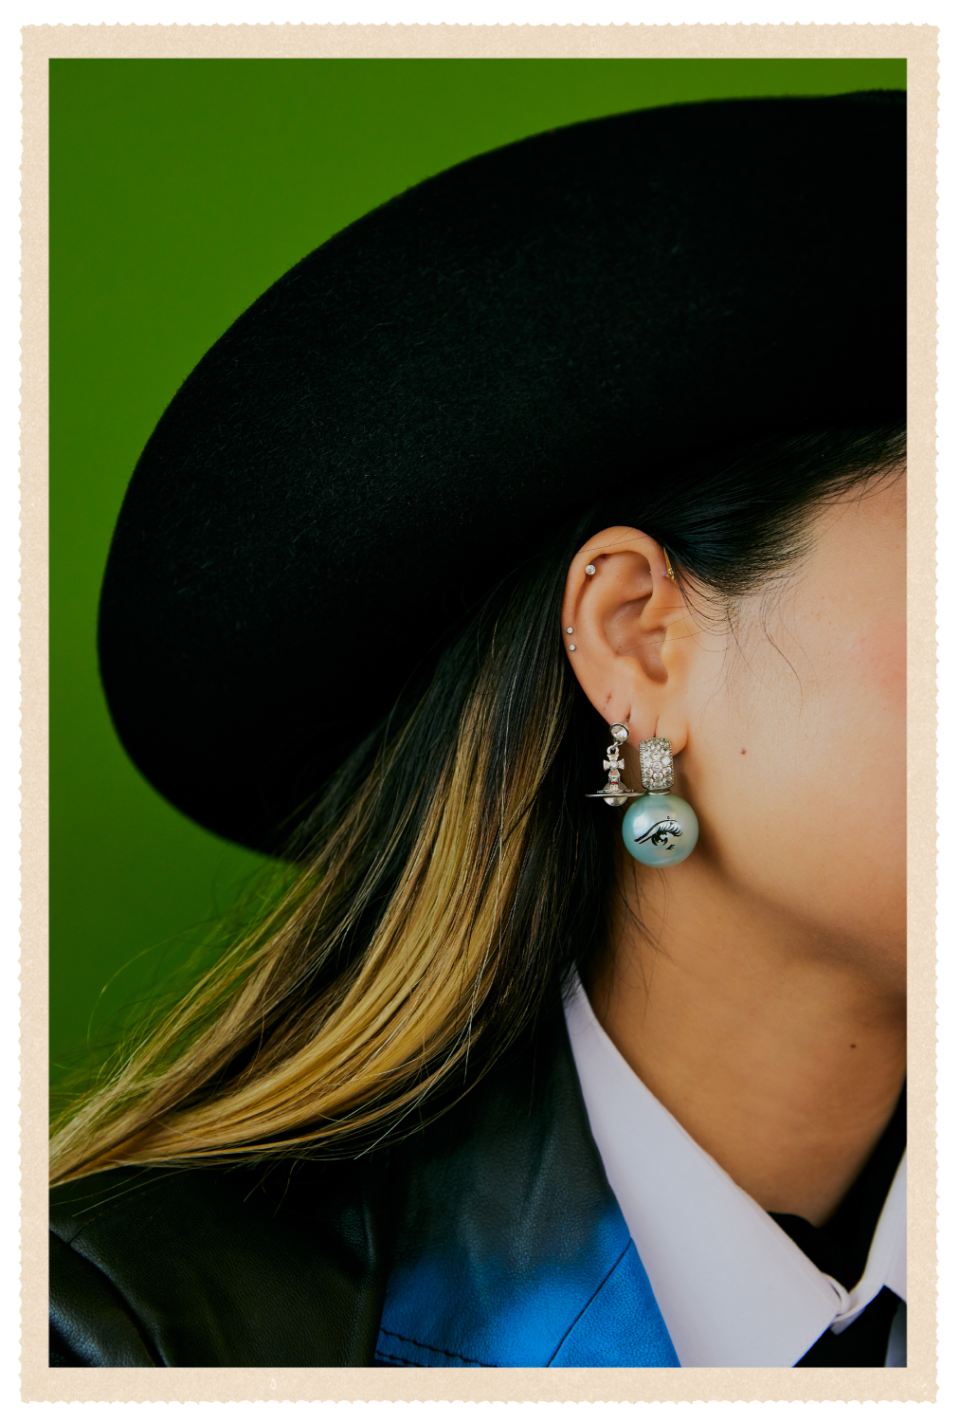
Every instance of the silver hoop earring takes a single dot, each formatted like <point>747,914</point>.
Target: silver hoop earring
<point>660,829</point>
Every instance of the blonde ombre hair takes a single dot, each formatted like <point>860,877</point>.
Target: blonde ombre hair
<point>375,978</point>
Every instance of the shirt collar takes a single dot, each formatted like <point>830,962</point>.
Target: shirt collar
<point>733,1288</point>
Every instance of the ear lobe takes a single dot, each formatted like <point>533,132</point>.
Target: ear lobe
<point>624,648</point>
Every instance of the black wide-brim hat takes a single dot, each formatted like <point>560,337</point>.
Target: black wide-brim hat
<point>398,420</point>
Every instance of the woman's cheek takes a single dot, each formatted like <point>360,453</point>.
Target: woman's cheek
<point>856,705</point>
<point>880,660</point>
<point>872,704</point>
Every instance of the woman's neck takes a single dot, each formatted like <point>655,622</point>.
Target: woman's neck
<point>783,1058</point>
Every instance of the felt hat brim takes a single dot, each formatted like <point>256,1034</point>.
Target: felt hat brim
<point>393,425</point>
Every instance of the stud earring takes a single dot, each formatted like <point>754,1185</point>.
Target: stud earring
<point>590,569</point>
<point>660,829</point>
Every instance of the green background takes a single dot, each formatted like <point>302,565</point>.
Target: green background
<point>180,190</point>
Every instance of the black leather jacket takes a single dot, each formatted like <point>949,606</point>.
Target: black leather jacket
<point>489,1239</point>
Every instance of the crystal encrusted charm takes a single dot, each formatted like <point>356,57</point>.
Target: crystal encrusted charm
<point>656,765</point>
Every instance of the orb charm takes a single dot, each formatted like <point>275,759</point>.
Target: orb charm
<point>660,830</point>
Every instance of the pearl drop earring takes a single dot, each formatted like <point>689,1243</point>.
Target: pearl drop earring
<point>660,829</point>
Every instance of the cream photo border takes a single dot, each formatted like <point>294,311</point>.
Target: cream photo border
<point>916,43</point>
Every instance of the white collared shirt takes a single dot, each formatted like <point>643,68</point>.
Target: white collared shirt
<point>733,1288</point>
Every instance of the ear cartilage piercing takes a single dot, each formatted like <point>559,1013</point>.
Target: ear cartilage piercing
<point>590,570</point>
<point>670,573</point>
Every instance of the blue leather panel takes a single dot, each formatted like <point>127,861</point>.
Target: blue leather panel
<point>510,1249</point>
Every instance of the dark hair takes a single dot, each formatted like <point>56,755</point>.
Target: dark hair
<point>452,873</point>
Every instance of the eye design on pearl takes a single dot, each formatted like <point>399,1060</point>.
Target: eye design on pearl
<point>657,834</point>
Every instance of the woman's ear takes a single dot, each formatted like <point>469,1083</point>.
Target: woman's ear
<point>625,626</point>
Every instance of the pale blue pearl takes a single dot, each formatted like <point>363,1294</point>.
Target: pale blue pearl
<point>660,830</point>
